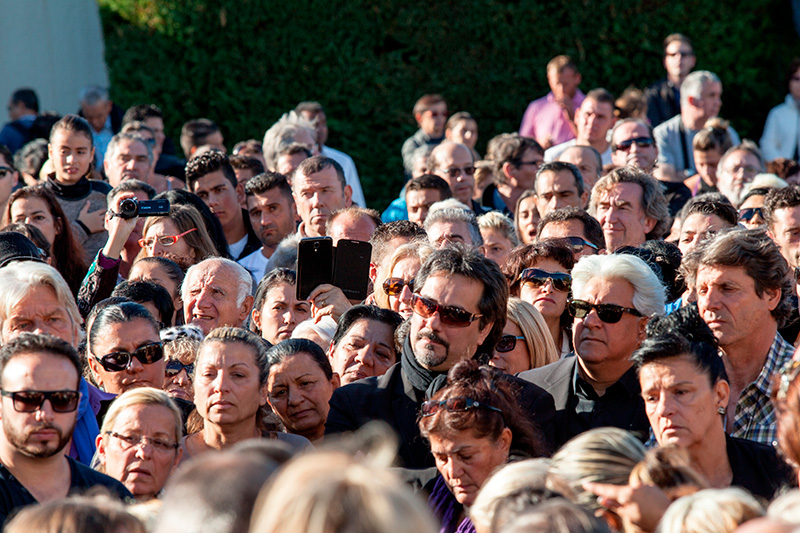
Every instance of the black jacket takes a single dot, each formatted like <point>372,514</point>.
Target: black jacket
<point>662,103</point>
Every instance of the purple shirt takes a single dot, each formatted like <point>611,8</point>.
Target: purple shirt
<point>544,117</point>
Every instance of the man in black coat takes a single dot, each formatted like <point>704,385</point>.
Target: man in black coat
<point>459,313</point>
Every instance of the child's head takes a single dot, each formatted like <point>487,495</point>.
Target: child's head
<point>71,149</point>
<point>708,146</point>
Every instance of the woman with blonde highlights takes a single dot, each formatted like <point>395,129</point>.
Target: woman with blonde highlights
<point>526,342</point>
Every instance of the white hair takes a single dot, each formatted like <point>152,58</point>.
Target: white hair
<point>710,511</point>
<point>765,180</point>
<point>282,134</point>
<point>504,482</point>
<point>324,329</point>
<point>243,278</point>
<point>694,83</point>
<point>449,203</point>
<point>454,215</point>
<point>19,277</point>
<point>649,295</point>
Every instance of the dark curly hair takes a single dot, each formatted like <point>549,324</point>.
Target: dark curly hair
<point>523,257</point>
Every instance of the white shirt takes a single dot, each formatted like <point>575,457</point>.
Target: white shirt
<point>350,173</point>
<point>237,247</point>
<point>256,264</point>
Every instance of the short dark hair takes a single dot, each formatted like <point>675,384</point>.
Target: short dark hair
<point>131,185</point>
<point>430,181</point>
<point>318,163</point>
<point>6,154</point>
<point>285,349</point>
<point>384,233</point>
<point>509,148</point>
<point>427,101</point>
<point>148,292</point>
<point>364,312</point>
<point>602,96</point>
<point>195,132</point>
<point>140,113</point>
<point>592,230</point>
<point>172,269</point>
<point>206,163</point>
<point>31,158</point>
<point>120,313</point>
<point>755,191</point>
<point>780,199</point>
<point>268,180</point>
<point>672,37</point>
<point>27,97</point>
<point>33,342</point>
<point>523,257</point>
<point>561,166</point>
<point>242,162</point>
<point>464,261</point>
<point>712,203</point>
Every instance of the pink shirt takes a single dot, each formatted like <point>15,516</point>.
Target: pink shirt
<point>545,117</point>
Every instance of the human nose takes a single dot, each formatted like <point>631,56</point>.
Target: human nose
<point>220,382</point>
<point>295,397</point>
<point>289,317</point>
<point>316,200</point>
<point>156,248</point>
<point>45,411</point>
<point>665,407</point>
<point>365,356</point>
<point>144,448</point>
<point>405,295</point>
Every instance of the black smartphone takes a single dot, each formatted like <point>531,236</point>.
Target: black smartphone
<point>314,264</point>
<point>351,271</point>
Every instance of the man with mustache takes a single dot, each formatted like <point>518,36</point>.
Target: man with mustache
<point>39,376</point>
<point>459,313</point>
<point>272,212</point>
<point>613,298</point>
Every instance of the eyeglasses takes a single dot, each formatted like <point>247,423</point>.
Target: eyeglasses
<point>449,315</point>
<point>608,313</point>
<point>537,278</point>
<point>132,440</point>
<point>119,361</point>
<point>641,142</point>
<point>749,213</point>
<point>163,240</point>
<point>455,171</point>
<point>30,401</point>
<point>394,286</point>
<point>534,163</point>
<point>507,343</point>
<point>5,171</point>
<point>576,244</point>
<point>455,405</point>
<point>174,368</point>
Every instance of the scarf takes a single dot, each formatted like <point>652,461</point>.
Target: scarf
<point>422,379</point>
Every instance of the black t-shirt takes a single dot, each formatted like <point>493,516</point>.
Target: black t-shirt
<point>14,495</point>
<point>757,467</point>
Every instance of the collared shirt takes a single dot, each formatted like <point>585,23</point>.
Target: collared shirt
<point>621,406</point>
<point>755,416</point>
<point>545,117</point>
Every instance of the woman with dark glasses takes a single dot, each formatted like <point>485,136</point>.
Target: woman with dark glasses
<point>124,349</point>
<point>180,236</point>
<point>540,275</point>
<point>473,426</point>
<point>526,342</point>
<point>180,354</point>
<point>394,284</point>
<point>750,215</point>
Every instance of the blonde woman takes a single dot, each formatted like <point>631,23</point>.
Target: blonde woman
<point>395,282</point>
<point>526,342</point>
<point>499,236</point>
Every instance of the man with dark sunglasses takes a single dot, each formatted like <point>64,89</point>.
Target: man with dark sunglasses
<point>39,399</point>
<point>598,386</point>
<point>459,310</point>
<point>632,144</point>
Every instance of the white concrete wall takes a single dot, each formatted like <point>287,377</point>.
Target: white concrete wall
<point>53,46</point>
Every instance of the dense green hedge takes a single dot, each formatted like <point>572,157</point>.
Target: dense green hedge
<point>245,62</point>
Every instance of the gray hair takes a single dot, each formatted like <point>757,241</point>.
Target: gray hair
<point>711,510</point>
<point>93,94</point>
<point>694,83</point>
<point>111,150</point>
<point>282,134</point>
<point>243,278</point>
<point>456,215</point>
<point>649,295</point>
<point>20,277</point>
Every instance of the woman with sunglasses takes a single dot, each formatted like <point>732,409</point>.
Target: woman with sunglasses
<point>40,208</point>
<point>276,309</point>
<point>395,282</point>
<point>180,354</point>
<point>180,236</point>
<point>474,425</point>
<point>750,215</point>
<point>230,393</point>
<point>540,275</point>
<point>138,441</point>
<point>124,350</point>
<point>526,342</point>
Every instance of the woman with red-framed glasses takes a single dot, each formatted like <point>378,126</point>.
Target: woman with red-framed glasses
<point>180,236</point>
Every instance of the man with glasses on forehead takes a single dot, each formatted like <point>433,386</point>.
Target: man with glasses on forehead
<point>39,382</point>
<point>515,160</point>
<point>613,297</point>
<point>459,310</point>
<point>454,164</point>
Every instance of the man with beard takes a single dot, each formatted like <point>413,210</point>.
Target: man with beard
<point>39,376</point>
<point>272,212</point>
<point>459,311</point>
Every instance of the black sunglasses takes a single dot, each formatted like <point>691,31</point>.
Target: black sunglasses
<point>608,313</point>
<point>455,405</point>
<point>394,286</point>
<point>536,277</point>
<point>749,213</point>
<point>575,244</point>
<point>119,361</point>
<point>455,171</point>
<point>641,142</point>
<point>507,343</point>
<point>174,368</point>
<point>449,315</point>
<point>30,401</point>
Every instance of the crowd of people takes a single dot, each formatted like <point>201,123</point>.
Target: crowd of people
<point>592,327</point>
